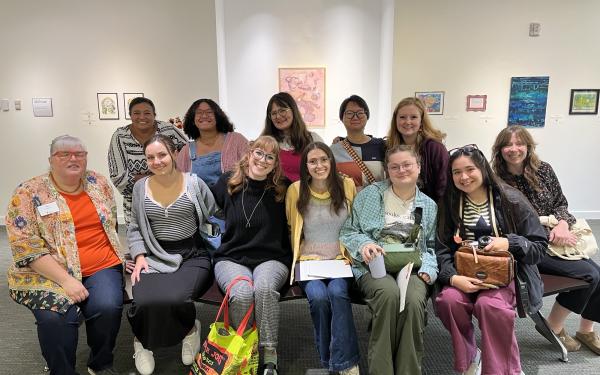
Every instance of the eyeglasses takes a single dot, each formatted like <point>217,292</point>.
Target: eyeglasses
<point>260,155</point>
<point>315,162</point>
<point>466,149</point>
<point>359,114</point>
<point>67,155</point>
<point>281,112</point>
<point>395,168</point>
<point>204,113</point>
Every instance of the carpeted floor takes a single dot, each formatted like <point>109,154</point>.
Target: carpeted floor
<point>20,352</point>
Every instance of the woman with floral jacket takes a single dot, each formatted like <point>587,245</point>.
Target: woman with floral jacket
<point>67,258</point>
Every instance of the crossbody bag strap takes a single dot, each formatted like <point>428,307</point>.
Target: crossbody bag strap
<point>492,214</point>
<point>358,161</point>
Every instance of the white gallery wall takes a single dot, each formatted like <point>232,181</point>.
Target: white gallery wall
<point>69,50</point>
<point>344,36</point>
<point>474,47</point>
<point>383,50</point>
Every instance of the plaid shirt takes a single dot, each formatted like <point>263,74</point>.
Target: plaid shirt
<point>367,220</point>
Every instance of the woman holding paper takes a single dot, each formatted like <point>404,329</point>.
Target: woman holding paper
<point>476,204</point>
<point>316,207</point>
<point>394,219</point>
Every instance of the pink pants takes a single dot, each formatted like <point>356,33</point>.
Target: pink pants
<point>494,309</point>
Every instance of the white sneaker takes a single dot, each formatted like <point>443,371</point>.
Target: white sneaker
<point>354,370</point>
<point>475,367</point>
<point>144,359</point>
<point>190,346</point>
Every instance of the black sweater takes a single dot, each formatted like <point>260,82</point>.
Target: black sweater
<point>267,237</point>
<point>528,245</point>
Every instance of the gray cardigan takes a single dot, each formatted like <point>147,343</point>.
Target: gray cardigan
<point>139,234</point>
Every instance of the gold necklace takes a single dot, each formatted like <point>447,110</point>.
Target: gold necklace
<point>57,186</point>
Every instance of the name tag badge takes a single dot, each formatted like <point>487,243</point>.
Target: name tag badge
<point>47,209</point>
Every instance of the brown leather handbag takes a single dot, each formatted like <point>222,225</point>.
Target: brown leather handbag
<point>491,267</point>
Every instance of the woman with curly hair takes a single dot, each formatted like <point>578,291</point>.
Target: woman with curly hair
<point>256,241</point>
<point>215,146</point>
<point>412,126</point>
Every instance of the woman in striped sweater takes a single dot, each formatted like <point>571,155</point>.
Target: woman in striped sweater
<point>168,240</point>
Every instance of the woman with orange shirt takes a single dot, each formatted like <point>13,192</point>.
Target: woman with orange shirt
<point>67,258</point>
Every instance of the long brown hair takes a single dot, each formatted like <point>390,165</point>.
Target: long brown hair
<point>275,179</point>
<point>427,131</point>
<point>299,134</point>
<point>448,212</point>
<point>531,164</point>
<point>335,182</point>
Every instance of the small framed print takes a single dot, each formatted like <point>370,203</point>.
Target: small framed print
<point>584,102</point>
<point>108,106</point>
<point>127,98</point>
<point>476,103</point>
<point>433,100</point>
<point>42,107</point>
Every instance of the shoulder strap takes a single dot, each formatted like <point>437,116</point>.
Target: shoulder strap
<point>192,150</point>
<point>358,161</point>
<point>492,214</point>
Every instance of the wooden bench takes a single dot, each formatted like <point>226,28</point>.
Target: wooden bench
<point>552,285</point>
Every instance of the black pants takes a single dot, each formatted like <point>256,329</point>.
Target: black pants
<point>58,333</point>
<point>163,312</point>
<point>585,302</point>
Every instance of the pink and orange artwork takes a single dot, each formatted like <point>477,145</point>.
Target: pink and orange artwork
<point>307,87</point>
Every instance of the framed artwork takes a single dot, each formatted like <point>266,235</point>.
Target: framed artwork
<point>108,106</point>
<point>42,107</point>
<point>127,97</point>
<point>476,103</point>
<point>433,100</point>
<point>307,87</point>
<point>528,99</point>
<point>584,102</point>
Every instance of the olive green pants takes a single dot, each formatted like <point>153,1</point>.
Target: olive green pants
<point>396,341</point>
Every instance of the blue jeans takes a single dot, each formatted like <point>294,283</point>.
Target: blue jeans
<point>331,312</point>
<point>58,333</point>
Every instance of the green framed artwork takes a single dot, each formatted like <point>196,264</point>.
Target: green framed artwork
<point>584,102</point>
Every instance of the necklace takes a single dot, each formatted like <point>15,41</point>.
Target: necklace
<point>65,190</point>
<point>254,209</point>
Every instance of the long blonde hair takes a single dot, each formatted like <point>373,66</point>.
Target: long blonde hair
<point>275,179</point>
<point>427,131</point>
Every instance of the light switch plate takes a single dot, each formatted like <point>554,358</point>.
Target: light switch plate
<point>18,104</point>
<point>4,104</point>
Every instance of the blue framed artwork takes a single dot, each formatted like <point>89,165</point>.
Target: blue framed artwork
<point>433,100</point>
<point>528,100</point>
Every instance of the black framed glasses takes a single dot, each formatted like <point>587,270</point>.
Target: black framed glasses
<point>359,114</point>
<point>466,149</point>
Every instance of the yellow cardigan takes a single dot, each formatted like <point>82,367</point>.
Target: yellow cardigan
<point>295,220</point>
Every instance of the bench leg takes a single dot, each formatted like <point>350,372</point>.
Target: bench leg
<point>542,326</point>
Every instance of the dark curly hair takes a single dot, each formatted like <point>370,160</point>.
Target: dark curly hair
<point>222,121</point>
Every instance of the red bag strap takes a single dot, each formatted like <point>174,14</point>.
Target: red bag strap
<point>225,305</point>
